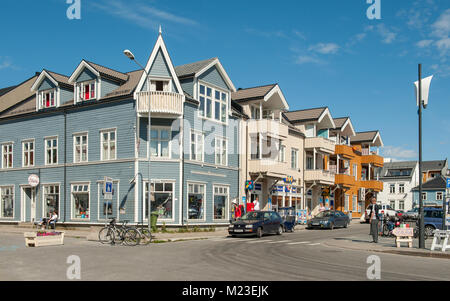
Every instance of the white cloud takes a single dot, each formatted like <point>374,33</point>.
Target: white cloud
<point>388,36</point>
<point>441,28</point>
<point>305,59</point>
<point>424,43</point>
<point>325,48</point>
<point>5,63</point>
<point>399,152</point>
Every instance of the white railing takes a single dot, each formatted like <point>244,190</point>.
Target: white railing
<point>160,102</point>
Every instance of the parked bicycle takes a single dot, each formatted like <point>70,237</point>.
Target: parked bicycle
<point>123,234</point>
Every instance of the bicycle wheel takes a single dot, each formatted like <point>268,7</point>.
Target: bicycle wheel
<point>146,236</point>
<point>118,235</point>
<point>131,237</point>
<point>106,235</point>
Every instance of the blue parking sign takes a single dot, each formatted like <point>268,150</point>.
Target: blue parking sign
<point>448,182</point>
<point>108,187</point>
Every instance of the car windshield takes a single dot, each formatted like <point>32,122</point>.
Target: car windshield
<point>324,214</point>
<point>252,216</point>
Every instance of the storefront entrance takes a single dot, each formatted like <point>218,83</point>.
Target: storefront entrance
<point>28,201</point>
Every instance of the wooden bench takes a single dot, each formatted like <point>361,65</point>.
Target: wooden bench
<point>404,235</point>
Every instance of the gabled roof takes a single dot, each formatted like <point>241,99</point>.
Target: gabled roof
<point>433,165</point>
<point>370,137</point>
<point>410,165</point>
<point>18,94</point>
<point>98,70</point>
<point>339,122</point>
<point>344,123</point>
<point>56,78</point>
<point>437,183</point>
<point>189,70</point>
<point>300,116</point>
<point>261,93</point>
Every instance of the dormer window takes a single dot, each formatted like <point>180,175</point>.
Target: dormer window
<point>160,85</point>
<point>47,99</point>
<point>87,90</point>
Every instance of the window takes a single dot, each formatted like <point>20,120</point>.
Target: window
<point>392,188</point>
<point>221,151</point>
<point>196,201</point>
<point>282,154</point>
<point>87,90</point>
<point>267,114</point>
<point>108,145</point>
<point>254,147</point>
<point>213,104</point>
<point>401,205</point>
<point>161,198</point>
<point>220,202</point>
<point>346,204</point>
<point>439,196</point>
<point>80,148</point>
<point>159,85</point>
<point>355,204</point>
<point>51,151</point>
<point>255,112</point>
<point>47,99</point>
<point>424,196</point>
<point>51,199</point>
<point>294,158</point>
<point>7,202</point>
<point>7,155</point>
<point>355,171</point>
<point>392,204</point>
<point>80,201</point>
<point>160,142</point>
<point>197,152</point>
<point>28,153</point>
<point>309,163</point>
<point>401,188</point>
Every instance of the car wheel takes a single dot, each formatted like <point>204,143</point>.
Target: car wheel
<point>429,230</point>
<point>331,226</point>
<point>259,232</point>
<point>280,230</point>
<point>346,225</point>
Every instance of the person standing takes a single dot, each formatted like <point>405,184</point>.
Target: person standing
<point>374,219</point>
<point>256,203</point>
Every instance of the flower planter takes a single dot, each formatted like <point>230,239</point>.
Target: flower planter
<point>40,239</point>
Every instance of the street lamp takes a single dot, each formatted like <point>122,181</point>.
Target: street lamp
<point>422,89</point>
<point>130,55</point>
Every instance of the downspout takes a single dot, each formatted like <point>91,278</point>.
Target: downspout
<point>182,166</point>
<point>65,165</point>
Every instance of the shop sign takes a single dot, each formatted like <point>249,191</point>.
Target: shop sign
<point>33,180</point>
<point>258,187</point>
<point>249,185</point>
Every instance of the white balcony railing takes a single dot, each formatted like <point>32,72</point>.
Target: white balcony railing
<point>319,175</point>
<point>320,143</point>
<point>160,102</point>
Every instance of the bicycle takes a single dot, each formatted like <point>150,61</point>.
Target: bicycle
<point>112,233</point>
<point>107,234</point>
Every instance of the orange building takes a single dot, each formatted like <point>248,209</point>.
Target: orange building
<point>356,164</point>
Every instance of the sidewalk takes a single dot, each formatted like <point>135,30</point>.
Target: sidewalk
<point>385,245</point>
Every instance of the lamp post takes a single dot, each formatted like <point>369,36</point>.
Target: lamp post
<point>130,55</point>
<point>421,90</point>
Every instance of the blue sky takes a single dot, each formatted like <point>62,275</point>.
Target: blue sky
<point>322,52</point>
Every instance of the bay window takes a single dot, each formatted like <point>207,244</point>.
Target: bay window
<point>7,202</point>
<point>213,104</point>
<point>7,155</point>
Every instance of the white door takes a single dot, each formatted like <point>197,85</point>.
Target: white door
<point>33,204</point>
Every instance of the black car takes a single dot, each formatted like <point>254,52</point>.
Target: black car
<point>257,223</point>
<point>329,219</point>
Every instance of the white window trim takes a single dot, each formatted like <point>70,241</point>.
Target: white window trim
<point>74,135</point>
<point>390,185</point>
<point>213,100</point>
<point>102,131</point>
<point>296,158</point>
<point>160,79</point>
<point>23,152</point>
<point>53,149</point>
<point>80,87</point>
<point>12,157</point>
<point>59,197</point>
<point>159,128</point>
<point>40,98</point>
<point>221,140</point>
<point>204,201</point>
<point>282,159</point>
<point>144,194</point>
<point>227,204</point>
<point>203,146</point>
<point>14,202</point>
<point>441,196</point>
<point>72,201</point>
<point>426,196</point>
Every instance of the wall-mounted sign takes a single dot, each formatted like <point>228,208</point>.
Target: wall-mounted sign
<point>33,180</point>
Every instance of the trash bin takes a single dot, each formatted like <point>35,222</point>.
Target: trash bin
<point>153,220</point>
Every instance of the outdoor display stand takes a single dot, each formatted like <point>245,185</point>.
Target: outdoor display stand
<point>440,240</point>
<point>403,235</point>
<point>40,239</point>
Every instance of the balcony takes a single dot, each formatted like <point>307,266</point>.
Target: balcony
<point>372,184</point>
<point>345,151</point>
<point>373,159</point>
<point>160,102</point>
<point>270,167</point>
<point>344,180</point>
<point>270,127</point>
<point>319,175</point>
<point>321,144</point>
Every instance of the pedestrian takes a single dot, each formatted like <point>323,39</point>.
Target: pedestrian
<point>236,210</point>
<point>256,203</point>
<point>374,219</point>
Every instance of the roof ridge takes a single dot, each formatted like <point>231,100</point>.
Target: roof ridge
<point>210,59</point>
<point>240,89</point>
<point>308,109</point>
<point>89,62</point>
<point>367,132</point>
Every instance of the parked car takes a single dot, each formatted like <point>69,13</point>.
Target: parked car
<point>329,219</point>
<point>385,210</point>
<point>412,214</point>
<point>257,223</point>
<point>400,214</point>
<point>433,218</point>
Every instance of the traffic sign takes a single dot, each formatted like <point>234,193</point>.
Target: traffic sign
<point>108,189</point>
<point>448,183</point>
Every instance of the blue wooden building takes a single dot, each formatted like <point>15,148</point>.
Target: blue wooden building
<point>60,136</point>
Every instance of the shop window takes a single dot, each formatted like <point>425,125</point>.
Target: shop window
<point>51,199</point>
<point>196,201</point>
<point>161,199</point>
<point>7,202</point>
<point>220,202</point>
<point>80,201</point>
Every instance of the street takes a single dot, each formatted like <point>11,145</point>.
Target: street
<point>302,255</point>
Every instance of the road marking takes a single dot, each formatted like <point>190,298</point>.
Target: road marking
<point>258,241</point>
<point>314,244</point>
<point>279,241</point>
<point>299,243</point>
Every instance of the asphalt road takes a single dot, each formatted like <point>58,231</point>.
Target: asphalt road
<point>296,256</point>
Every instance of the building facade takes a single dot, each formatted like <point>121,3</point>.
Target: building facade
<point>61,135</point>
<point>433,193</point>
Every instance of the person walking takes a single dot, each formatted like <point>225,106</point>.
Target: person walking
<point>374,219</point>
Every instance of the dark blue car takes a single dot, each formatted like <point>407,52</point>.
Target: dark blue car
<point>257,223</point>
<point>329,219</point>
<point>433,218</point>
